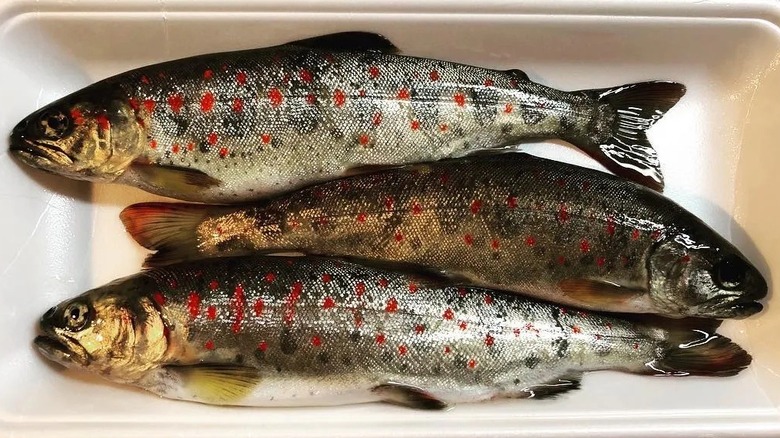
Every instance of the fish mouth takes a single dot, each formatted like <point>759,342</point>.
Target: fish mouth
<point>62,351</point>
<point>736,309</point>
<point>39,153</point>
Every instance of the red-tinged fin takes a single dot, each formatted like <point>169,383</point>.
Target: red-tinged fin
<point>349,41</point>
<point>601,295</point>
<point>217,384</point>
<point>175,179</point>
<point>699,352</point>
<point>637,107</point>
<point>168,228</point>
<point>409,396</point>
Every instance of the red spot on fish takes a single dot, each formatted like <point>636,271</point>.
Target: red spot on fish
<point>149,105</point>
<point>495,244</point>
<point>576,329</point>
<point>563,310</point>
<point>258,307</point>
<point>262,346</point>
<point>398,236</point>
<point>625,260</point>
<point>238,105</point>
<point>270,277</point>
<point>608,325</point>
<point>561,260</point>
<point>656,235</point>
<point>209,345</point>
<point>175,148</point>
<point>460,99</point>
<point>223,151</point>
<point>241,78</point>
<point>238,304</point>
<point>176,102</point>
<point>358,320</point>
<point>373,71</point>
<point>360,289</point>
<point>212,138</point>
<point>402,350</point>
<point>444,178</point>
<point>316,341</point>
<point>488,299</point>
<point>306,76</point>
<point>103,122</point>
<point>389,201</point>
<point>597,336</point>
<point>265,138</point>
<point>530,241</point>
<point>635,234</point>
<point>326,278</point>
<point>361,217</point>
<point>508,108</point>
<point>415,125</point>
<point>383,282</point>
<point>208,74</point>
<point>144,79</point>
<point>584,246</point>
<point>159,298</point>
<point>447,349</point>
<point>489,340</point>
<point>380,338</point>
<point>392,305</point>
<point>513,83</point>
<point>153,144</point>
<point>322,220</point>
<point>363,139</point>
<point>339,98</point>
<point>207,102</point>
<point>275,97</point>
<point>403,93</point>
<point>472,363</point>
<point>462,291</point>
<point>636,346</point>
<point>469,239</point>
<point>291,301</point>
<point>611,225</point>
<point>211,313</point>
<point>488,82</point>
<point>132,101</point>
<point>511,202</point>
<point>560,182</point>
<point>362,93</point>
<point>462,325</point>
<point>563,213</point>
<point>443,127</point>
<point>193,304</point>
<point>601,261</point>
<point>173,284</point>
<point>419,329</point>
<point>412,287</point>
<point>685,259</point>
<point>377,119</point>
<point>416,208</point>
<point>78,118</point>
<point>190,146</point>
<point>585,186</point>
<point>475,206</point>
<point>434,75</point>
<point>311,99</point>
<point>448,314</point>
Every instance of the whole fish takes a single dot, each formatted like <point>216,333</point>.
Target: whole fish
<point>515,222</point>
<point>237,126</point>
<point>272,331</point>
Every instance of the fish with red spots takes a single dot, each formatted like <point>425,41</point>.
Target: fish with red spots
<point>435,348</point>
<point>270,120</point>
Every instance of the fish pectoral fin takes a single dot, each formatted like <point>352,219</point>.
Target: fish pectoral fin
<point>217,384</point>
<point>349,41</point>
<point>598,294</point>
<point>177,179</point>
<point>553,388</point>
<point>409,396</point>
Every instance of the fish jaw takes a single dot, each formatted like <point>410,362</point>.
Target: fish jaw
<point>62,351</point>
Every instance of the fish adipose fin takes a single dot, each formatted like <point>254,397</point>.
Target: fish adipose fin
<point>177,179</point>
<point>409,396</point>
<point>637,107</point>
<point>698,352</point>
<point>349,41</point>
<point>551,389</point>
<point>217,384</point>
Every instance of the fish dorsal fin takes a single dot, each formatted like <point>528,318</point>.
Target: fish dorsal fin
<point>409,396</point>
<point>175,179</point>
<point>598,294</point>
<point>349,42</point>
<point>217,384</point>
<point>517,74</point>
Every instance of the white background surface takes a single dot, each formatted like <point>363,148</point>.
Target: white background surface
<point>718,148</point>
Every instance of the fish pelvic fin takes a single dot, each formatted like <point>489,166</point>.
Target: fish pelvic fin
<point>699,352</point>
<point>551,389</point>
<point>635,108</point>
<point>168,228</point>
<point>409,396</point>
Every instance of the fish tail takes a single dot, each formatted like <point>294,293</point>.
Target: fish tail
<point>698,352</point>
<point>635,108</point>
<point>168,228</point>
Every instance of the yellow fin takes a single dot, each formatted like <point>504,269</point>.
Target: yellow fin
<point>175,179</point>
<point>598,294</point>
<point>218,384</point>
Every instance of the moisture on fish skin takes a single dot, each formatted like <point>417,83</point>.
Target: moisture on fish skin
<point>265,331</point>
<point>512,221</point>
<point>238,126</point>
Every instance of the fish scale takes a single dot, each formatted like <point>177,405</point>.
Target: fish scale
<point>416,337</point>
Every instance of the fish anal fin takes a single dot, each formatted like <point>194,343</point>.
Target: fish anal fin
<point>174,179</point>
<point>217,384</point>
<point>551,389</point>
<point>409,396</point>
<point>349,41</point>
<point>598,294</point>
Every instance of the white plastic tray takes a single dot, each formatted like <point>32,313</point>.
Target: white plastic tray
<point>718,148</point>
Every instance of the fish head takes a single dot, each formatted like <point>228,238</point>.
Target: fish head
<point>87,136</point>
<point>704,276</point>
<point>104,332</point>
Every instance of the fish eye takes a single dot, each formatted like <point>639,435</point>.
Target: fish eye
<point>730,272</point>
<point>54,124</point>
<point>76,316</point>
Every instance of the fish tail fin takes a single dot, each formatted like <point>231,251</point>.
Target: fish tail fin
<point>636,107</point>
<point>698,352</point>
<point>168,228</point>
